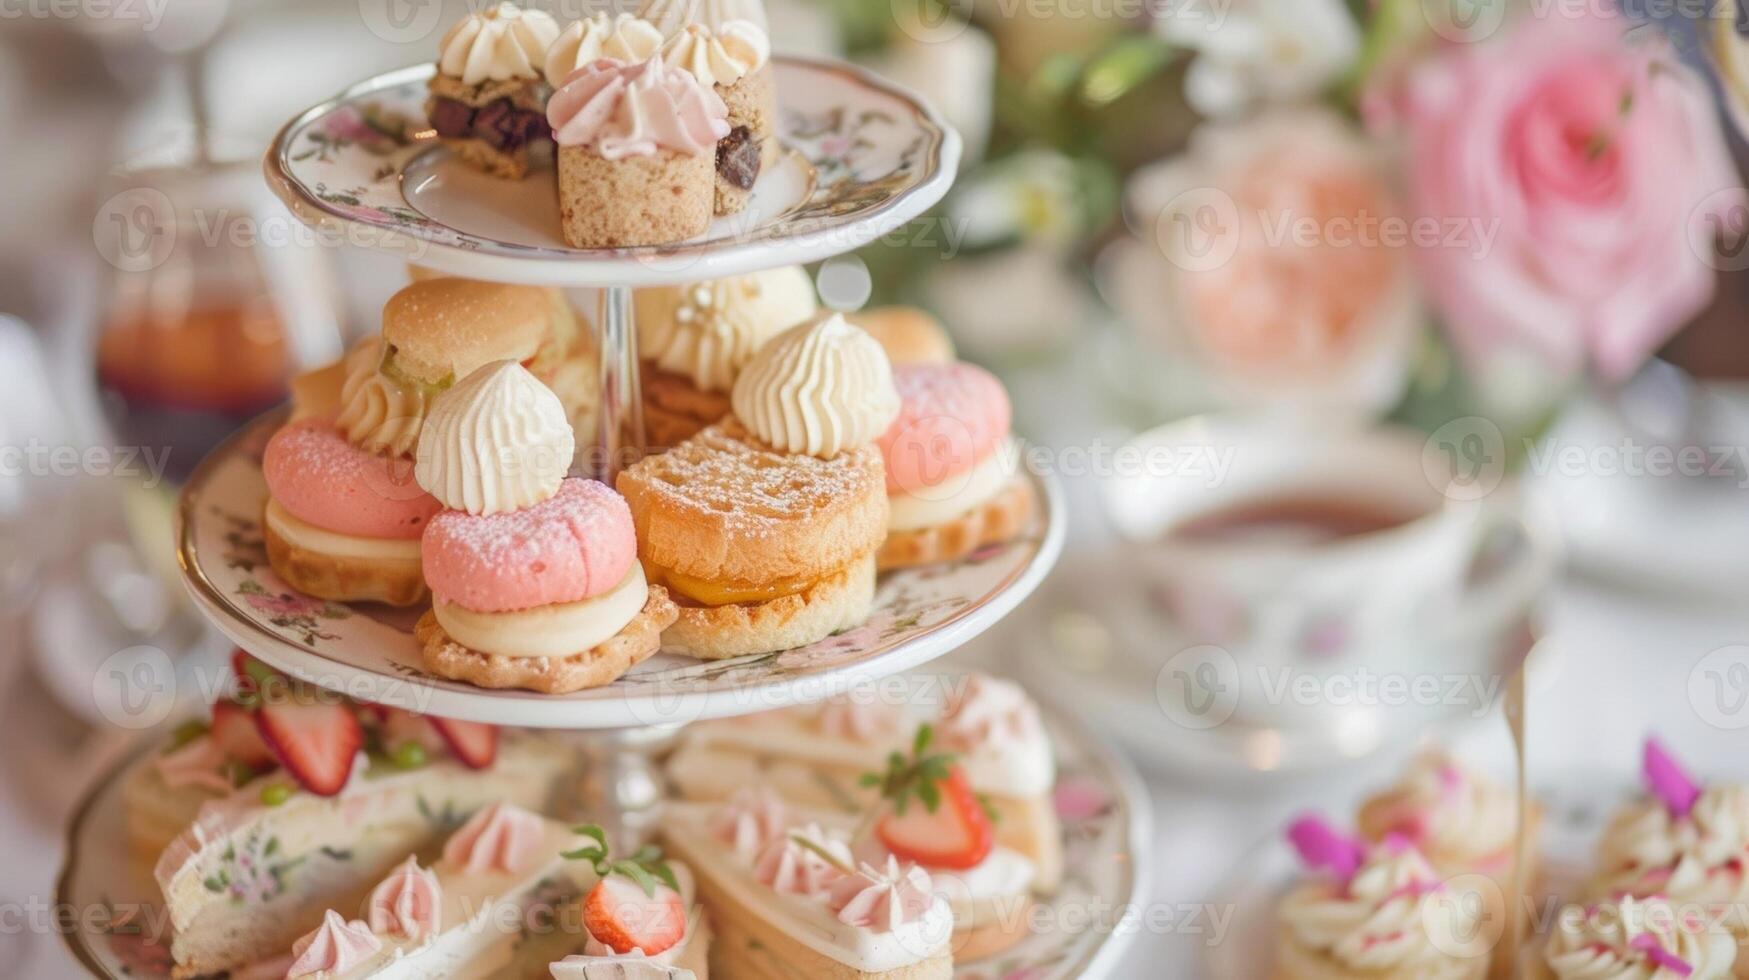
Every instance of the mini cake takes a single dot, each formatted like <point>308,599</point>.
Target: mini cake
<point>815,757</point>
<point>1379,913</point>
<point>788,900</point>
<point>267,807</point>
<point>951,479</point>
<point>341,522</point>
<point>1461,821</point>
<point>909,335</point>
<point>438,331</point>
<point>488,100</point>
<point>637,144</point>
<point>765,526</point>
<point>732,58</point>
<point>1683,841</point>
<point>695,339</point>
<point>1632,938</point>
<point>535,581</point>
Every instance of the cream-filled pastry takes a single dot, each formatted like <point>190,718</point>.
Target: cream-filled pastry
<point>534,576</point>
<point>488,97</point>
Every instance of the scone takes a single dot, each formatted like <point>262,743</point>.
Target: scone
<point>762,550</point>
<point>488,99</point>
<point>727,47</point>
<point>695,339</point>
<point>342,523</point>
<point>1376,913</point>
<point>815,757</point>
<point>952,476</point>
<point>622,181</point>
<point>534,577</point>
<point>438,331</point>
<point>909,335</point>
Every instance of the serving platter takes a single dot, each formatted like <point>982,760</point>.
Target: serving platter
<point>860,158</point>
<point>368,651</point>
<point>1079,932</point>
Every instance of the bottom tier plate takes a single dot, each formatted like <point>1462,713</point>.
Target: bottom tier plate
<point>367,651</point>
<point>1079,932</point>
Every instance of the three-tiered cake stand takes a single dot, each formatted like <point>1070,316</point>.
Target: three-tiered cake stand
<point>860,158</point>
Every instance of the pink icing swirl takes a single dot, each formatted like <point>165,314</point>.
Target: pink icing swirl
<point>986,711</point>
<point>634,110</point>
<point>409,903</point>
<point>788,868</point>
<point>334,948</point>
<point>849,718</point>
<point>751,819</point>
<point>882,900</point>
<point>501,838</point>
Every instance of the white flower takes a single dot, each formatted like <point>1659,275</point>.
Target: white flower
<point>1260,50</point>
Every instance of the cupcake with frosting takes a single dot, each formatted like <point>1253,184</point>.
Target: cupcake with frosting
<point>1683,841</point>
<point>488,98</point>
<point>695,339</point>
<point>637,149</point>
<point>732,56</point>
<point>1633,939</point>
<point>1379,912</point>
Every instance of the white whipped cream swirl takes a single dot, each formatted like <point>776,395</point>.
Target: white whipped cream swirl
<point>377,414</point>
<point>617,36</point>
<point>498,441</point>
<point>817,389</point>
<point>497,44</point>
<point>1380,921</point>
<point>1637,940</point>
<point>722,56</point>
<point>1697,858</point>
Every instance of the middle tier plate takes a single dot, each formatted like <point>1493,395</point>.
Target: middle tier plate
<point>368,652</point>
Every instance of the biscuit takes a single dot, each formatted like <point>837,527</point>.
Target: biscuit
<point>674,408</point>
<point>998,519</point>
<point>398,582</point>
<point>595,667</point>
<point>838,601</point>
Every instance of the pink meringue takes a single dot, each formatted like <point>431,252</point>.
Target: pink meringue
<point>335,947</point>
<point>634,110</point>
<point>879,900</point>
<point>500,838</point>
<point>788,868</point>
<point>409,903</point>
<point>986,711</point>
<point>848,718</point>
<point>751,819</point>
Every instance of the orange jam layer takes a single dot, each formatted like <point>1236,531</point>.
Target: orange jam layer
<point>708,593</point>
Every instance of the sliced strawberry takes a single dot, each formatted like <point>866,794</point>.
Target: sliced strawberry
<point>473,742</point>
<point>957,835</point>
<point>316,741</point>
<point>251,674</point>
<point>622,917</point>
<point>234,731</point>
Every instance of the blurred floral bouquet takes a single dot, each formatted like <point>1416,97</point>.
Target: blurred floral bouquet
<point>1419,207</point>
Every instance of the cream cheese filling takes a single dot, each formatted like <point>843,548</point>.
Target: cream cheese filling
<point>558,630</point>
<point>958,494</point>
<point>302,534</point>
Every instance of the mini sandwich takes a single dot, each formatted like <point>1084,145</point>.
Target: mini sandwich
<point>909,335</point>
<point>764,527</point>
<point>252,824</point>
<point>816,755</point>
<point>952,478</point>
<point>437,332</point>
<point>791,899</point>
<point>695,340</point>
<point>488,99</point>
<point>534,577</point>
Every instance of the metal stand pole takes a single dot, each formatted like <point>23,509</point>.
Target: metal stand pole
<point>619,439</point>
<point>623,787</point>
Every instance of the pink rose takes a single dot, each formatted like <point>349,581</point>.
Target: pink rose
<point>1592,155</point>
<point>1274,266</point>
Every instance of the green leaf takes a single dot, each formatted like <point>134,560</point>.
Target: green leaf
<point>644,879</point>
<point>664,872</point>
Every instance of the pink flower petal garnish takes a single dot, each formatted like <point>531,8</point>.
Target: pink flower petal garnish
<point>1667,781</point>
<point>1321,846</point>
<point>1648,944</point>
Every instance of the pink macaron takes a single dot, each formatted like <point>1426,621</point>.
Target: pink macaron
<point>951,418</point>
<point>575,546</point>
<point>321,479</point>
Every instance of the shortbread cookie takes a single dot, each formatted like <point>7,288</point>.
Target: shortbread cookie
<point>599,665</point>
<point>396,581</point>
<point>837,602</point>
<point>998,519</point>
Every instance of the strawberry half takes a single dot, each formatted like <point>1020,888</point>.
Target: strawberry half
<point>622,917</point>
<point>956,835</point>
<point>234,731</point>
<point>473,742</point>
<point>316,741</point>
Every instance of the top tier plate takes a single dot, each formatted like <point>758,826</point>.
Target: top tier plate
<point>861,157</point>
